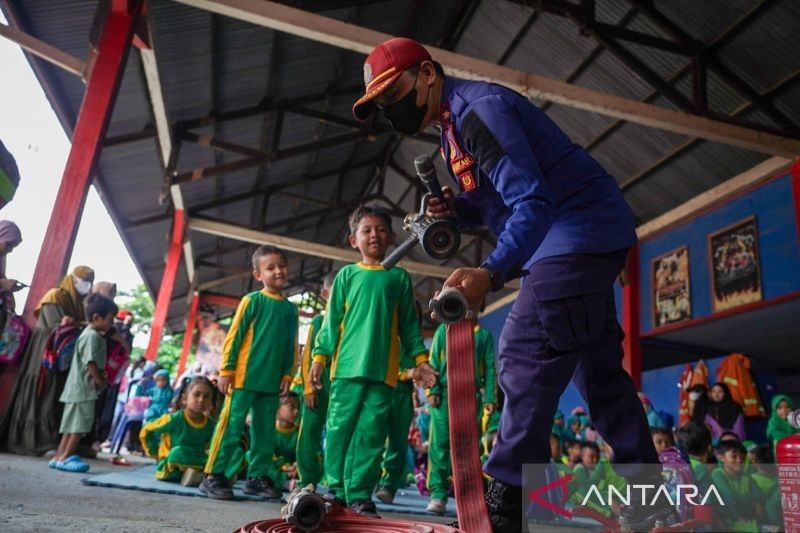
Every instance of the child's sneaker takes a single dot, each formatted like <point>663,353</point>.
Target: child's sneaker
<point>216,488</point>
<point>436,506</point>
<point>264,487</point>
<point>385,495</point>
<point>331,497</point>
<point>191,478</point>
<point>365,508</point>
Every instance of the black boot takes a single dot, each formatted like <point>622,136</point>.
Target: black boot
<point>505,507</point>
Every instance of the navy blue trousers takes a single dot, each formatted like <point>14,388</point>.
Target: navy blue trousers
<point>563,326</point>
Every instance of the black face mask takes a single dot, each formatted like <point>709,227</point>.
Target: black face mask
<point>404,114</point>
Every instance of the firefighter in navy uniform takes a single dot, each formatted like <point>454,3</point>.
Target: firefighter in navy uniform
<point>561,221</point>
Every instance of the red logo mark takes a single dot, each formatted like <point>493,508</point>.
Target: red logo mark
<point>535,496</point>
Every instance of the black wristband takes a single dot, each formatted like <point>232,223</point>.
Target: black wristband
<point>496,278</point>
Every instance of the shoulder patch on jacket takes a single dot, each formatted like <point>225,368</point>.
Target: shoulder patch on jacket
<point>481,142</point>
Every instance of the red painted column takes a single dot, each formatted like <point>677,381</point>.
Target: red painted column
<point>174,254</point>
<point>796,192</point>
<point>87,142</point>
<point>188,334</point>
<point>632,361</point>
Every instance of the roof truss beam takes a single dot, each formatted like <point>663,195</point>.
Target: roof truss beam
<point>45,51</point>
<point>362,40</point>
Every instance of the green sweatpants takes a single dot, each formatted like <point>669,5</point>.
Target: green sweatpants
<point>228,434</point>
<point>396,454</point>
<point>439,467</point>
<point>357,418</point>
<point>171,467</point>
<point>309,442</point>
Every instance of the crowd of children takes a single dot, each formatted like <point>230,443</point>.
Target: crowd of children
<point>355,421</point>
<point>362,426</point>
<point>743,472</point>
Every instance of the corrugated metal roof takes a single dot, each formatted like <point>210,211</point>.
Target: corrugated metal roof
<point>210,64</point>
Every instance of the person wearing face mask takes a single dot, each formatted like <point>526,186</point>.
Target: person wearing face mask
<point>30,423</point>
<point>10,238</point>
<point>560,220</point>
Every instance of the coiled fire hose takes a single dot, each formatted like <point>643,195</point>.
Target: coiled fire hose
<point>307,511</point>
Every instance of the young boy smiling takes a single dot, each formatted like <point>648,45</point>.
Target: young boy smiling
<point>370,316</point>
<point>257,360</point>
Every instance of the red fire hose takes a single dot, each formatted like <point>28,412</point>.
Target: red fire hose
<point>464,439</point>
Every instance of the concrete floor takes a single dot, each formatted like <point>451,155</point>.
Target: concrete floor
<point>36,498</point>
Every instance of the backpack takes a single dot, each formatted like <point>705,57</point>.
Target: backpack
<point>116,361</point>
<point>13,340</point>
<point>676,471</point>
<point>60,348</point>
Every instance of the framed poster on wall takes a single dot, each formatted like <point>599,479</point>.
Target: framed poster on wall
<point>735,269</point>
<point>672,300</point>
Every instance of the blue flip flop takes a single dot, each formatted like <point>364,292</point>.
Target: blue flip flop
<point>73,463</point>
<point>52,463</point>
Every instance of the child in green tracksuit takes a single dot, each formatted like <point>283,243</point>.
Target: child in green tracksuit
<point>743,498</point>
<point>315,405</point>
<point>439,467</point>
<point>695,439</point>
<point>286,431</point>
<point>592,471</point>
<point>257,360</point>
<point>395,457</point>
<point>188,431</point>
<point>369,317</point>
<point>778,426</point>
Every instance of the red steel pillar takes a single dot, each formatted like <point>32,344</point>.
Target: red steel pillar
<point>188,334</point>
<point>632,347</point>
<point>174,254</point>
<point>87,142</point>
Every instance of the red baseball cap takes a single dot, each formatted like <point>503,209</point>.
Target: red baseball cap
<point>382,68</point>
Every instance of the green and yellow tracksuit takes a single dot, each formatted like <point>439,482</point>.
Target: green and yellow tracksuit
<point>370,316</point>
<point>310,460</point>
<point>258,354</point>
<point>601,476</point>
<point>741,495</point>
<point>285,451</point>
<point>178,443</point>
<point>439,466</point>
<point>395,456</point>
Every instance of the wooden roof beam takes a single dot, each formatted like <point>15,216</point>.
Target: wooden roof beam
<point>45,51</point>
<point>362,40</point>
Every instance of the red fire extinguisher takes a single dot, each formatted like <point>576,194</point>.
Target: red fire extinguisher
<point>788,459</point>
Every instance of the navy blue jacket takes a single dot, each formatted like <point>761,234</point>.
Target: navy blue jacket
<point>541,194</point>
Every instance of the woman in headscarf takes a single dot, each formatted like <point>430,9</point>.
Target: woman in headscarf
<point>723,413</point>
<point>30,423</point>
<point>10,237</point>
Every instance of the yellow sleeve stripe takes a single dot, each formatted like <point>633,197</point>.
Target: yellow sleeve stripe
<point>321,359</point>
<point>421,359</point>
<point>153,427</point>
<point>305,364</point>
<point>233,332</point>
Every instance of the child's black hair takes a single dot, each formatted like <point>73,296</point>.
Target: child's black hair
<point>186,385</point>
<point>291,395</point>
<point>266,249</point>
<point>662,431</point>
<point>725,433</point>
<point>369,211</point>
<point>569,443</point>
<point>762,453</point>
<point>591,445</point>
<point>730,446</point>
<point>694,438</point>
<point>97,304</point>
